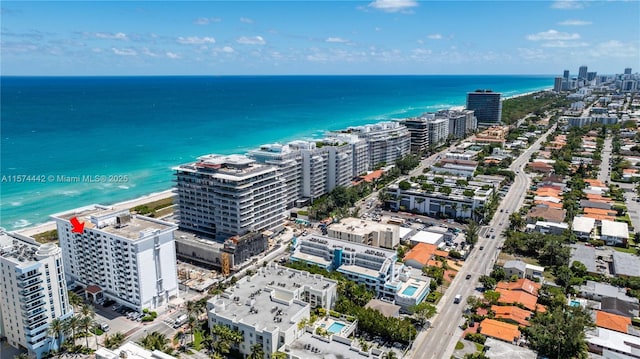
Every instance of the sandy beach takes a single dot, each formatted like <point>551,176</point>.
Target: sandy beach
<point>49,226</point>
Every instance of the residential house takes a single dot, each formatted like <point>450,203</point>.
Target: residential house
<point>500,330</point>
<point>522,270</point>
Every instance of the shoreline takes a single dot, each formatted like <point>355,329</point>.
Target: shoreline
<point>168,193</point>
<point>128,204</point>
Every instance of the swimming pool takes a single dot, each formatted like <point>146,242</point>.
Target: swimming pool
<point>410,290</point>
<point>574,303</point>
<point>336,327</point>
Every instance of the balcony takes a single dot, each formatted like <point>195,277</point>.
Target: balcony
<point>32,282</point>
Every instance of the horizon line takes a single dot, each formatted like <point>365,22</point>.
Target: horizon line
<point>275,75</point>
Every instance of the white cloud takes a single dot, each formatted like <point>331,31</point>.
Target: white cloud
<point>435,37</point>
<point>574,23</point>
<point>246,20</point>
<point>172,55</point>
<point>148,52</point>
<point>206,20</point>
<point>567,5</point>
<point>109,35</point>
<point>251,40</point>
<point>393,5</point>
<point>552,35</point>
<point>615,49</point>
<point>194,40</point>
<point>336,39</point>
<point>564,44</point>
<point>124,52</point>
<point>227,49</point>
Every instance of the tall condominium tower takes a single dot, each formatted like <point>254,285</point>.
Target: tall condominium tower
<point>627,71</point>
<point>582,73</point>
<point>33,292</point>
<point>115,255</point>
<point>557,84</point>
<point>565,75</point>
<point>225,196</point>
<point>461,122</point>
<point>387,141</point>
<point>487,106</point>
<point>419,130</point>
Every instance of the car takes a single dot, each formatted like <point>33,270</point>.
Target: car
<point>481,247</point>
<point>487,236</point>
<point>493,237</point>
<point>468,276</point>
<point>491,230</point>
<point>502,210</point>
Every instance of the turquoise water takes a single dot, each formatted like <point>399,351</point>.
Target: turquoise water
<point>133,130</point>
<point>574,303</point>
<point>336,327</point>
<point>410,290</point>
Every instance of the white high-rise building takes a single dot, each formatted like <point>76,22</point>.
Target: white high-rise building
<point>33,292</point>
<point>288,160</point>
<point>127,258</point>
<point>387,141</point>
<point>225,196</point>
<point>438,131</point>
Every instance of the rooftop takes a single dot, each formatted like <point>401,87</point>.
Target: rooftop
<point>583,224</point>
<point>496,349</point>
<point>430,237</point>
<point>266,299</point>
<point>620,342</point>
<point>421,253</point>
<point>626,264</point>
<point>510,312</point>
<point>361,227</point>
<point>117,222</point>
<point>500,330</point>
<point>515,296</point>
<point>606,290</point>
<point>22,250</point>
<point>612,321</point>
<point>524,285</point>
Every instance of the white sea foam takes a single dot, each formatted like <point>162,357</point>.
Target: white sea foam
<point>123,187</point>
<point>16,203</point>
<point>21,223</point>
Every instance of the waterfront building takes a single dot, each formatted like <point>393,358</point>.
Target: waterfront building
<point>461,122</point>
<point>582,73</point>
<point>366,232</point>
<point>359,148</point>
<point>288,160</point>
<point>419,130</point>
<point>565,75</point>
<point>225,196</point>
<point>487,106</point>
<point>591,75</point>
<point>127,258</point>
<point>387,142</point>
<point>267,306</point>
<point>376,268</point>
<point>438,131</point>
<point>585,121</point>
<point>558,84</point>
<point>33,292</point>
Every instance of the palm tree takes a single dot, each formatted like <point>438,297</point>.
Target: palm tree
<point>87,310</point>
<point>86,323</point>
<point>56,328</point>
<point>256,352</point>
<point>390,355</point>
<point>74,299</point>
<point>71,325</point>
<point>278,355</point>
<point>225,338</point>
<point>179,338</point>
<point>193,323</point>
<point>113,341</point>
<point>155,341</point>
<point>21,356</point>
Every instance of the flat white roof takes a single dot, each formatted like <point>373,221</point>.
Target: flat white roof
<point>404,231</point>
<point>427,237</point>
<point>615,229</point>
<point>621,342</point>
<point>583,224</point>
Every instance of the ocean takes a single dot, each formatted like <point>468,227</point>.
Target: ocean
<point>67,142</point>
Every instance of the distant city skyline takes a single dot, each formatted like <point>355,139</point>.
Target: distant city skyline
<point>320,37</point>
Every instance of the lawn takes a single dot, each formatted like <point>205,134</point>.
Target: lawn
<point>479,347</point>
<point>629,250</point>
<point>459,345</point>
<point>197,340</point>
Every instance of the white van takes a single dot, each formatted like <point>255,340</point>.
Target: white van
<point>457,299</point>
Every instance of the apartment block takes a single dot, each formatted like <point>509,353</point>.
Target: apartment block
<point>33,292</point>
<point>374,267</point>
<point>387,141</point>
<point>487,106</point>
<point>225,196</point>
<point>127,258</point>
<point>267,307</point>
<point>288,160</point>
<point>438,131</point>
<point>419,130</point>
<point>366,232</point>
<point>461,122</point>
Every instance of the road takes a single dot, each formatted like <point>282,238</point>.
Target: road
<point>440,339</point>
<point>603,174</point>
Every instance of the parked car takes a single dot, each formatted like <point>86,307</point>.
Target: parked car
<point>468,276</point>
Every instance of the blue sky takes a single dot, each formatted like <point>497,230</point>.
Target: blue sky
<point>318,37</point>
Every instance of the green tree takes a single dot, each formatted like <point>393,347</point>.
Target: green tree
<point>423,312</point>
<point>155,341</point>
<point>72,324</point>
<point>560,333</point>
<point>492,296</point>
<point>56,328</point>
<point>86,324</point>
<point>225,338</point>
<point>404,185</point>
<point>113,341</point>
<point>74,299</point>
<point>256,352</point>
<point>472,232</point>
<point>390,355</point>
<point>278,355</point>
<point>488,282</point>
<point>578,269</point>
<point>498,274</point>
